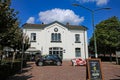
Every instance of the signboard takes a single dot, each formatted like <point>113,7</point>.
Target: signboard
<point>94,71</point>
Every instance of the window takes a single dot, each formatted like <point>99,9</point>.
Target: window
<point>77,52</point>
<point>33,36</point>
<point>77,38</point>
<point>55,37</point>
<point>59,37</point>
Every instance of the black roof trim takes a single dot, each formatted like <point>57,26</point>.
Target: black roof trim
<point>42,26</point>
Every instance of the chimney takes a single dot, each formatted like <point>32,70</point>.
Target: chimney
<point>42,22</point>
<point>67,23</point>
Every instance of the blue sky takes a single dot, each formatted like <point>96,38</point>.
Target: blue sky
<point>46,11</point>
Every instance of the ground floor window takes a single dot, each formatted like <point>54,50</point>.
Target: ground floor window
<point>77,52</point>
<point>56,50</point>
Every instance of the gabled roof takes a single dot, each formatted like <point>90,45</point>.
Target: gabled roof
<point>42,26</point>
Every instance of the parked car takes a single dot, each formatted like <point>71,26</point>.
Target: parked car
<point>49,59</point>
<point>78,61</point>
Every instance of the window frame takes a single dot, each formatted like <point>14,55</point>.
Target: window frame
<point>77,52</point>
<point>33,37</point>
<point>55,37</point>
<point>77,38</point>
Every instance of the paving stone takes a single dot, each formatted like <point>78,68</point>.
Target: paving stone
<point>111,71</point>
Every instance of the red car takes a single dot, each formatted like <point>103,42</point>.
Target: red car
<point>78,61</point>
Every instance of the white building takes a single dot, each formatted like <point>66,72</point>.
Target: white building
<point>68,41</point>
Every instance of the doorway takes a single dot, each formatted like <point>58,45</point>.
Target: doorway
<point>57,51</point>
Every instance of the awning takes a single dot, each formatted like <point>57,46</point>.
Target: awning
<point>8,49</point>
<point>32,50</point>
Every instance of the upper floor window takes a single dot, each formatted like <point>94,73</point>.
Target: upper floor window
<point>56,37</point>
<point>77,38</point>
<point>33,36</point>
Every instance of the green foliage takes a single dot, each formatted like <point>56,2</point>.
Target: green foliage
<point>11,34</point>
<point>107,35</point>
<point>8,23</point>
<point>7,16</point>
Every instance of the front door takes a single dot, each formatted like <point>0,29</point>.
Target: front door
<point>56,50</point>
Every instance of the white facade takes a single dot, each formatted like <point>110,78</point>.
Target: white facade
<point>57,38</point>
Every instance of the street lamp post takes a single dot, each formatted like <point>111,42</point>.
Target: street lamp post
<point>23,42</point>
<point>94,35</point>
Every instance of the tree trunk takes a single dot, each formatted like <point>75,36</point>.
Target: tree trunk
<point>13,58</point>
<point>110,57</point>
<point>104,54</point>
<point>1,55</point>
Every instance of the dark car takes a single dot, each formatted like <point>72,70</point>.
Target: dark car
<point>49,59</point>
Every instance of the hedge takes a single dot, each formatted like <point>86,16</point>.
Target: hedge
<point>6,70</point>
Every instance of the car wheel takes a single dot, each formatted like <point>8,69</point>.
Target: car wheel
<point>73,64</point>
<point>36,63</point>
<point>58,63</point>
<point>40,63</point>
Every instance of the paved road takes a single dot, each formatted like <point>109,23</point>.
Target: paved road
<point>111,71</point>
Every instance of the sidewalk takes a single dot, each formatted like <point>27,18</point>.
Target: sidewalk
<point>111,71</point>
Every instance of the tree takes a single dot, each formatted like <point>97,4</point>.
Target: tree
<point>9,26</point>
<point>8,19</point>
<point>11,34</point>
<point>107,36</point>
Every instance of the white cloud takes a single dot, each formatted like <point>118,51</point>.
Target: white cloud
<point>61,15</point>
<point>98,2</point>
<point>84,1</point>
<point>31,20</point>
<point>102,2</point>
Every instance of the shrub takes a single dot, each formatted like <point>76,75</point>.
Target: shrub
<point>6,69</point>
